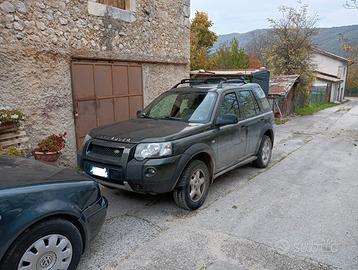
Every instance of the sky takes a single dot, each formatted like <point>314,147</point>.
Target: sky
<point>240,16</point>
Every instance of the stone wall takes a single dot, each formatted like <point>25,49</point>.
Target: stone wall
<point>38,40</point>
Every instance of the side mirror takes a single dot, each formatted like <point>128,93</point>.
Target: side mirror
<point>227,119</point>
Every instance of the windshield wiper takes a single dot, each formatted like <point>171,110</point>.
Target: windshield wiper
<point>172,118</point>
<point>144,115</point>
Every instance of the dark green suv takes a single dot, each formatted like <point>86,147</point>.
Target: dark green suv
<point>183,140</point>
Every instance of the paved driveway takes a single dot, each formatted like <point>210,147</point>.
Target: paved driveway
<point>301,213</point>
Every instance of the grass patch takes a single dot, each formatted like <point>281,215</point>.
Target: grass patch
<point>313,108</point>
<point>280,121</point>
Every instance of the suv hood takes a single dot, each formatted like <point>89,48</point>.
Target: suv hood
<point>146,130</point>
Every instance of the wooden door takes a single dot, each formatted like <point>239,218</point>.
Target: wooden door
<point>103,93</point>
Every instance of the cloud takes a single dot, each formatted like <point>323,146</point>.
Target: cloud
<point>242,16</point>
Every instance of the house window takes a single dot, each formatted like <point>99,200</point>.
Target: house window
<point>124,10</point>
<point>122,4</point>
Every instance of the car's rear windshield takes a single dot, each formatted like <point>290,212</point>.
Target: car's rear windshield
<point>192,107</point>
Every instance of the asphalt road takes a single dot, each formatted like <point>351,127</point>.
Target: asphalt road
<point>300,213</point>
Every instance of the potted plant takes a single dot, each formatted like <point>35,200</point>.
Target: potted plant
<point>49,149</point>
<point>10,118</point>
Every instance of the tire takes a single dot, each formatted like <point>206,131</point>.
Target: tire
<point>193,186</point>
<point>54,239</point>
<point>264,153</point>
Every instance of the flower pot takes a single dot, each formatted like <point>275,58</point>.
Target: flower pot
<point>46,156</point>
<point>8,125</point>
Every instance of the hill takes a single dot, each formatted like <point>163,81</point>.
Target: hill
<point>327,38</point>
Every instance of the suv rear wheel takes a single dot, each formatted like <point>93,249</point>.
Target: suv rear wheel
<point>193,186</point>
<point>264,154</point>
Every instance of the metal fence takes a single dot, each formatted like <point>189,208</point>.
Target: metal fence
<point>318,94</point>
<point>352,92</point>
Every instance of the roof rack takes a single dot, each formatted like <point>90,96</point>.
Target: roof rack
<point>238,80</point>
<point>220,81</point>
<point>211,80</point>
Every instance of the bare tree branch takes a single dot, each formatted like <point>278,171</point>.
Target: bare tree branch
<point>351,4</point>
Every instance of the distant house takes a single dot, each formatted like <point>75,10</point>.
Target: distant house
<point>331,75</point>
<point>283,92</point>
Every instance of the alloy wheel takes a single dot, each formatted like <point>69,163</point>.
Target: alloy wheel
<point>197,185</point>
<point>266,152</point>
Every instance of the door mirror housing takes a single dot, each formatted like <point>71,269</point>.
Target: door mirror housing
<point>227,119</point>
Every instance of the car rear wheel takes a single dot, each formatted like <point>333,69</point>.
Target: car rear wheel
<point>264,154</point>
<point>52,244</point>
<point>193,186</point>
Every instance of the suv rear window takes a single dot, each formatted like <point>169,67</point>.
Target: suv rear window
<point>261,97</point>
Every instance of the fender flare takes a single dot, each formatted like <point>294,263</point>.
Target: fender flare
<point>39,215</point>
<point>188,155</point>
<point>267,128</point>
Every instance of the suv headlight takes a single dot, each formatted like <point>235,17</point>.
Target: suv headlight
<point>153,150</point>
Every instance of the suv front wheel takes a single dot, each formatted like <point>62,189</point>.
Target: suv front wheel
<point>193,186</point>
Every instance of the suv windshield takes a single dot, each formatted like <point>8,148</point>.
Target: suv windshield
<point>193,107</point>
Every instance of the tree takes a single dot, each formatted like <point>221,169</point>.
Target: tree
<point>351,4</point>
<point>352,78</point>
<point>254,62</point>
<point>291,46</point>
<point>352,50</point>
<point>258,46</point>
<point>230,56</point>
<point>201,40</point>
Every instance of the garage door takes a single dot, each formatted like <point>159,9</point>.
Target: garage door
<point>104,93</point>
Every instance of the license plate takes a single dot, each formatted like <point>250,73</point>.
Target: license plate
<point>101,172</point>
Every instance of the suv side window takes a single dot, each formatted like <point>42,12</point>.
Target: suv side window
<point>248,103</point>
<point>230,105</point>
<point>261,97</point>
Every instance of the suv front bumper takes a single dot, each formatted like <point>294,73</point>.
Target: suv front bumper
<point>147,176</point>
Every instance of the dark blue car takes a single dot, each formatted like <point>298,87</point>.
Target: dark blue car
<point>48,215</point>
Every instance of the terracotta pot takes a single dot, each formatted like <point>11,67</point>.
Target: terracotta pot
<point>9,125</point>
<point>46,156</point>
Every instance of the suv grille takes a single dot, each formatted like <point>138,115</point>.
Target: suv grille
<point>105,151</point>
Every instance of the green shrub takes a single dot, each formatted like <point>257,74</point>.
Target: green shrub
<point>12,151</point>
<point>313,108</point>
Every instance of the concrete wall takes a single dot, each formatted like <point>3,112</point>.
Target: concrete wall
<point>332,66</point>
<point>38,40</point>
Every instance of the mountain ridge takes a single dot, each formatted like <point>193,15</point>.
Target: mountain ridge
<point>328,38</point>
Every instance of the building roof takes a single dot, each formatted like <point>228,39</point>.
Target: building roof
<point>331,55</point>
<point>233,72</point>
<point>282,85</point>
<point>327,77</point>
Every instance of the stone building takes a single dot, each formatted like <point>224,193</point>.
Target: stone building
<point>71,65</point>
